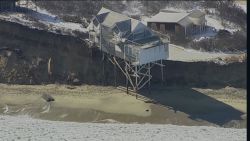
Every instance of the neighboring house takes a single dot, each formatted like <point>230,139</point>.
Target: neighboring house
<point>126,38</point>
<point>178,23</point>
<point>7,5</point>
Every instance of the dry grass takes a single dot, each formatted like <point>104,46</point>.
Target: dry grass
<point>241,58</point>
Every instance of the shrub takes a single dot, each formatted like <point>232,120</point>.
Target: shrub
<point>224,41</point>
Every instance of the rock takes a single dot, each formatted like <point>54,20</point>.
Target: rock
<point>76,81</point>
<point>18,51</point>
<point>70,87</point>
<point>48,98</point>
<point>151,101</point>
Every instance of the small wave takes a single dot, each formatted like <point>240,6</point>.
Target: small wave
<point>6,109</point>
<point>106,121</point>
<point>47,109</point>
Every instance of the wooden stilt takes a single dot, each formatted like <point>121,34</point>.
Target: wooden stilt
<point>162,79</point>
<point>91,52</point>
<point>103,67</point>
<point>115,75</point>
<point>136,76</point>
<point>149,85</point>
<point>126,78</point>
<point>136,81</point>
<point>127,84</point>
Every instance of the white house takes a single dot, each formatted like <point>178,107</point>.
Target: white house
<point>126,38</point>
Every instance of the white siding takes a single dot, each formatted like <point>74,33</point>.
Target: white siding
<point>153,54</point>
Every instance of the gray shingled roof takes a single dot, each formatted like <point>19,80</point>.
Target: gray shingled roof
<point>183,18</point>
<point>112,17</point>
<point>168,17</point>
<point>125,24</point>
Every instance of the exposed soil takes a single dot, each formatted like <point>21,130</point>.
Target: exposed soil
<point>69,57</point>
<point>71,60</point>
<point>192,93</point>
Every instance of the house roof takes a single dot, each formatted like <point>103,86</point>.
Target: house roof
<point>182,18</point>
<point>168,17</point>
<point>124,23</point>
<point>111,17</point>
<point>124,26</point>
<point>185,21</point>
<point>130,31</point>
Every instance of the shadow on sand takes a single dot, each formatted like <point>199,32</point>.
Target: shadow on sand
<point>197,105</point>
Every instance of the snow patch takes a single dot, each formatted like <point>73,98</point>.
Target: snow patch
<point>133,8</point>
<point>215,22</point>
<point>30,18</point>
<point>175,9</point>
<point>242,4</point>
<point>6,109</point>
<point>178,53</point>
<point>210,32</point>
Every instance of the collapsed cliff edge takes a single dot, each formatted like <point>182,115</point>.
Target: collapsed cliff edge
<point>33,56</point>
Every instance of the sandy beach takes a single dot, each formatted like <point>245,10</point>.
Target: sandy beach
<point>26,128</point>
<point>224,107</point>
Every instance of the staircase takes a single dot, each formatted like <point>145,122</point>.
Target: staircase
<point>137,95</point>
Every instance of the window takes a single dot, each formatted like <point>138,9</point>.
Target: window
<point>115,30</point>
<point>153,26</point>
<point>162,28</point>
<point>95,22</point>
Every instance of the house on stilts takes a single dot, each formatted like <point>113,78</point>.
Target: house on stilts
<point>129,44</point>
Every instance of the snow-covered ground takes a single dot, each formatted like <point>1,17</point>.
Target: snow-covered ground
<point>242,4</point>
<point>25,128</point>
<point>244,7</point>
<point>133,8</point>
<point>214,24</point>
<point>178,53</point>
<point>17,17</point>
<point>31,18</point>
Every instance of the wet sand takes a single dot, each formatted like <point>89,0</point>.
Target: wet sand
<point>107,104</point>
